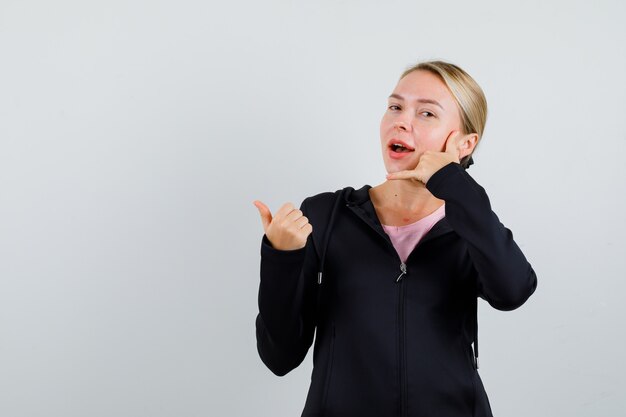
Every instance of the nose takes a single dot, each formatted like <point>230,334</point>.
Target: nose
<point>402,121</point>
<point>401,124</point>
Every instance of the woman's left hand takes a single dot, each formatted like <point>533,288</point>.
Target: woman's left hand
<point>431,161</point>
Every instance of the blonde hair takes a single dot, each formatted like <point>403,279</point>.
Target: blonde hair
<point>467,94</point>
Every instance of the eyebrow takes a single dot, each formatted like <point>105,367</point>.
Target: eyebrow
<point>419,100</point>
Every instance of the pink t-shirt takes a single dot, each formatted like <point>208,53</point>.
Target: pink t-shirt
<point>405,238</point>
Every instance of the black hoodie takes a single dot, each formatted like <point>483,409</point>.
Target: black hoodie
<point>391,338</point>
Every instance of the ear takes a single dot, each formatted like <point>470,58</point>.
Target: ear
<point>467,144</point>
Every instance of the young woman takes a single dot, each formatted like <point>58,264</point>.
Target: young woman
<point>387,277</point>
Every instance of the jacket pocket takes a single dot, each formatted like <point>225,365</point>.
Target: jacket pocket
<point>329,368</point>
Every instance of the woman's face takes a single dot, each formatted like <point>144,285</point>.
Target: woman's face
<point>421,114</point>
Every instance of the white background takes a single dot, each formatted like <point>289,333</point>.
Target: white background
<point>134,136</point>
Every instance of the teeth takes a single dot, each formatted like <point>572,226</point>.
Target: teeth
<point>399,145</point>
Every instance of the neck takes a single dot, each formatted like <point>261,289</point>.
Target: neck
<point>406,195</point>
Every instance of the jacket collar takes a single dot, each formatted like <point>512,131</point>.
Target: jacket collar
<point>360,203</point>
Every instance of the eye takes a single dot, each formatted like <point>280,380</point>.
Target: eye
<point>393,107</point>
<point>427,114</point>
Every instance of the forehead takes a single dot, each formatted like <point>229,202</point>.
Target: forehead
<point>425,85</point>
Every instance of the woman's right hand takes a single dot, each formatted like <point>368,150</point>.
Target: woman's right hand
<point>288,229</point>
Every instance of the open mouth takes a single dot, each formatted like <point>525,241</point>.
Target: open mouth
<point>396,147</point>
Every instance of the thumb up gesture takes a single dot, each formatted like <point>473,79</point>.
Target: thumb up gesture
<point>288,229</point>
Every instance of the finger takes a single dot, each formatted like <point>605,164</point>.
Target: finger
<point>264,211</point>
<point>453,144</point>
<point>301,222</point>
<point>284,210</point>
<point>294,215</point>
<point>401,175</point>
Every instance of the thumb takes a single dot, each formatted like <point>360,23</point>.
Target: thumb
<point>264,211</point>
<point>452,144</point>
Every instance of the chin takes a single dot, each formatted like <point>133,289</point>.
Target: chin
<point>403,165</point>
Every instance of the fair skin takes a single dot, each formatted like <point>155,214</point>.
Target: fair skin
<point>422,113</point>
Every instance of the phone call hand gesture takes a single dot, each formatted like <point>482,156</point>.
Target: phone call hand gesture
<point>288,229</point>
<point>432,161</point>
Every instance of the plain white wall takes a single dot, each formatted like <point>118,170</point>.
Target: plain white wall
<point>136,134</point>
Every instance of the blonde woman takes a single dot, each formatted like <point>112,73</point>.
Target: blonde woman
<point>387,277</point>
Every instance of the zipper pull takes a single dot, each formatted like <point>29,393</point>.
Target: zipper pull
<point>403,269</point>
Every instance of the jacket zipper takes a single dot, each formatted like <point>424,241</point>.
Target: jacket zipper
<point>401,319</point>
<point>402,342</point>
<point>403,269</point>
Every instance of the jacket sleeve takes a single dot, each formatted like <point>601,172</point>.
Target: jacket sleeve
<point>285,323</point>
<point>505,278</point>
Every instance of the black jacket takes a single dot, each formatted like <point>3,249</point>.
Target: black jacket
<point>392,339</point>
